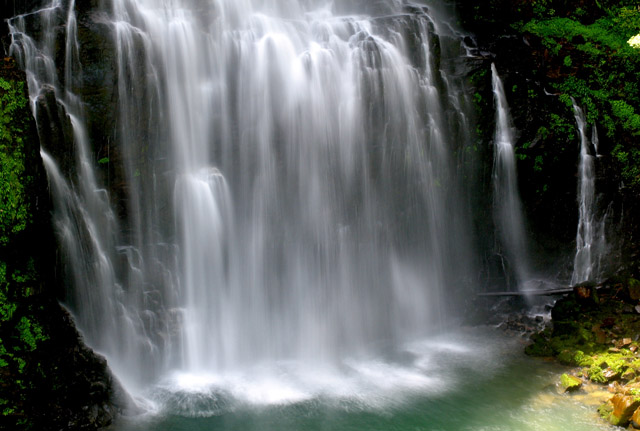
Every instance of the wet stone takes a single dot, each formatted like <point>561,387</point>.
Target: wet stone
<point>570,383</point>
<point>624,407</point>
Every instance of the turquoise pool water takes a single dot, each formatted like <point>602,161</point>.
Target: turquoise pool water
<point>474,379</point>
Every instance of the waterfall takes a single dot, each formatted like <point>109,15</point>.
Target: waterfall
<point>508,215</point>
<point>591,244</point>
<point>290,177</point>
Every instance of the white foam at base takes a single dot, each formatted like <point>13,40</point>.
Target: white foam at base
<point>424,367</point>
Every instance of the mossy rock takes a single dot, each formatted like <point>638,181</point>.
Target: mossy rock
<point>628,375</point>
<point>635,419</point>
<point>605,410</point>
<point>624,407</point>
<point>540,345</point>
<point>633,286</point>
<point>595,374</point>
<point>570,383</point>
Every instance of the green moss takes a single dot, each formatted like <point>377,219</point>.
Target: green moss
<point>567,61</point>
<point>14,208</point>
<point>605,410</point>
<point>22,332</point>
<point>629,160</point>
<point>540,345</point>
<point>562,126</point>
<point>595,374</point>
<point>570,383</point>
<point>610,32</point>
<point>615,420</point>
<point>582,360</point>
<point>31,333</point>
<point>7,307</point>
<point>626,114</point>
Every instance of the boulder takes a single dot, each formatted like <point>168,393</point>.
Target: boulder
<point>635,419</point>
<point>624,407</point>
<point>610,374</point>
<point>634,289</point>
<point>628,375</point>
<point>570,383</point>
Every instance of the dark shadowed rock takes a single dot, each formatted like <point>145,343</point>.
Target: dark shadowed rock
<point>49,380</point>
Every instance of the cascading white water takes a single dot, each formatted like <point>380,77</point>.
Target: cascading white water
<point>88,232</point>
<point>508,215</point>
<point>292,180</point>
<point>591,244</point>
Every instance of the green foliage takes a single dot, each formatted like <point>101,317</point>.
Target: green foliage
<point>30,332</point>
<point>3,354</point>
<point>608,33</point>
<point>12,99</point>
<point>14,209</point>
<point>595,374</point>
<point>629,160</point>
<point>583,360</point>
<point>562,126</point>
<point>22,332</point>
<point>626,114</point>
<point>597,67</point>
<point>542,9</point>
<point>543,132</point>
<point>625,20</point>
<point>7,307</point>
<point>537,166</point>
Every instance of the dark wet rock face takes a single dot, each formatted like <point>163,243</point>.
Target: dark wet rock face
<point>73,387</point>
<point>49,379</point>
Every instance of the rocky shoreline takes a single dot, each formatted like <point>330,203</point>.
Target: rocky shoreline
<point>596,330</point>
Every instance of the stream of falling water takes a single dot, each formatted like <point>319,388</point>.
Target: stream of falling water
<point>289,177</point>
<point>508,215</point>
<point>591,245</point>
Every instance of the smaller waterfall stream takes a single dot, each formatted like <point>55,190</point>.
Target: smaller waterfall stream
<point>591,243</point>
<point>508,216</point>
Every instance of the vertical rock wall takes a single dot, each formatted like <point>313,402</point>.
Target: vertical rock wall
<point>48,378</point>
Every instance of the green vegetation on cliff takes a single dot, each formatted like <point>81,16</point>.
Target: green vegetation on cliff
<point>48,379</point>
<point>550,53</point>
<point>593,63</point>
<point>14,207</point>
<point>20,331</point>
